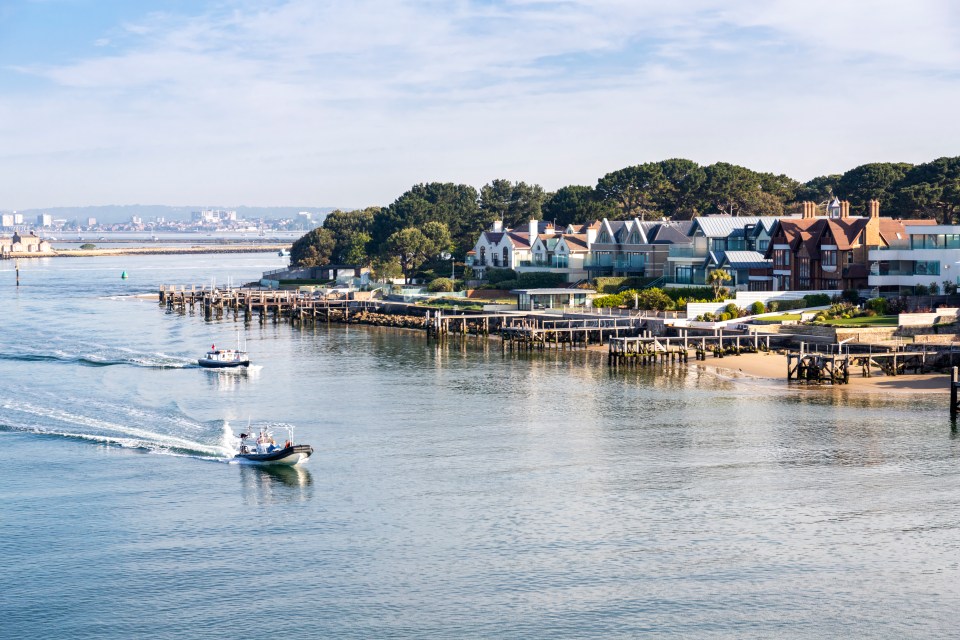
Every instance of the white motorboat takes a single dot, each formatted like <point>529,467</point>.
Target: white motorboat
<point>225,358</point>
<point>263,449</point>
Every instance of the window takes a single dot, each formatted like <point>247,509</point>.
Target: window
<point>926,268</point>
<point>483,255</point>
<point>803,268</point>
<point>762,245</point>
<point>603,238</point>
<point>634,238</point>
<point>829,258</point>
<point>781,258</point>
<point>506,257</point>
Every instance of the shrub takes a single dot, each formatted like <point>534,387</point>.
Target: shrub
<point>618,284</point>
<point>732,310</point>
<point>725,316</point>
<point>652,299</point>
<point>934,288</point>
<point>877,305</point>
<point>86,246</point>
<point>691,294</point>
<point>496,276</point>
<point>606,302</point>
<point>757,308</point>
<point>816,299</point>
<point>774,306</point>
<point>537,280</point>
<point>440,284</point>
<point>921,290</point>
<point>850,295</point>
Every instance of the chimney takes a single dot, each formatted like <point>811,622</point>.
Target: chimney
<point>532,230</point>
<point>497,226</point>
<point>809,210</point>
<point>591,234</point>
<point>845,209</point>
<point>873,206</point>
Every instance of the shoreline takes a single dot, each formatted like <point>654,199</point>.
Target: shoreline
<point>128,251</point>
<point>772,368</point>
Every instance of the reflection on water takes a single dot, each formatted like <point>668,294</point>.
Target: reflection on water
<point>233,378</point>
<point>270,484</point>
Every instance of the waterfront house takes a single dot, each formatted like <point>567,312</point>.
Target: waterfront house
<point>831,251</point>
<point>711,237</point>
<point>634,248</point>
<point>541,247</point>
<point>925,255</point>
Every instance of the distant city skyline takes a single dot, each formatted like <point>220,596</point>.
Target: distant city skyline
<point>276,103</point>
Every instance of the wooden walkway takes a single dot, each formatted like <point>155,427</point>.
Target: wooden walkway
<point>297,306</point>
<point>537,333</point>
<point>647,349</point>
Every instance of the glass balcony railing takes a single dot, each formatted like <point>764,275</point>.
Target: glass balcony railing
<point>686,252</point>
<point>554,263</point>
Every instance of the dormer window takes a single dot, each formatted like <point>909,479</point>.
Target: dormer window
<point>603,238</point>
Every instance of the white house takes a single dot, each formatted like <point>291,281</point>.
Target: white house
<point>927,254</point>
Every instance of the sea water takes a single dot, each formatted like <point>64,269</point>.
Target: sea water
<point>456,491</point>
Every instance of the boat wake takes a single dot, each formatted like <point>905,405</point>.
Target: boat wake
<point>105,357</point>
<point>121,426</point>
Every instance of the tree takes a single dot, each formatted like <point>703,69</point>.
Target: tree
<point>875,181</point>
<point>932,189</point>
<point>439,237</point>
<point>313,249</point>
<point>384,268</point>
<point>411,248</point>
<point>512,202</point>
<point>452,204</point>
<point>687,178</point>
<point>729,188</point>
<point>819,189</point>
<point>637,190</point>
<point>716,278</point>
<point>351,230</point>
<point>576,205</point>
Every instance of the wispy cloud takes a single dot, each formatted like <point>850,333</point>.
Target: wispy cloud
<point>350,103</point>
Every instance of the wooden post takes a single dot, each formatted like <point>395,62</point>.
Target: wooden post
<point>954,382</point>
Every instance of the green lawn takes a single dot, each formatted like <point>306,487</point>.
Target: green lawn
<point>875,321</point>
<point>784,317</point>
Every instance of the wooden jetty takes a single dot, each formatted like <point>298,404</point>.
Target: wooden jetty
<point>296,306</point>
<point>537,333</point>
<point>833,363</point>
<point>648,349</point>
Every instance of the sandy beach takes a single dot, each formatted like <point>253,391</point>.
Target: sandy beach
<point>773,367</point>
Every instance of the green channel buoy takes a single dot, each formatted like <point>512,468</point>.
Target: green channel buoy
<point>124,275</point>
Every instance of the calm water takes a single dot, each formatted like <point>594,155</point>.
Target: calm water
<point>455,492</point>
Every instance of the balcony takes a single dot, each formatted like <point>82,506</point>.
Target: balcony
<point>556,262</point>
<point>686,252</point>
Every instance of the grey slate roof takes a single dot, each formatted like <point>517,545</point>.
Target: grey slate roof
<point>747,260</point>
<point>724,226</point>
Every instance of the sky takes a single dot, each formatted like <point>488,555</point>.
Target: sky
<point>350,103</point>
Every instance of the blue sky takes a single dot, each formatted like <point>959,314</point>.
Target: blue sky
<point>348,104</point>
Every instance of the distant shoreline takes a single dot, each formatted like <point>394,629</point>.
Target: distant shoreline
<point>126,251</point>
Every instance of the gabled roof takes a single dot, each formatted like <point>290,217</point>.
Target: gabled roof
<point>723,226</point>
<point>576,242</point>
<point>671,232</point>
<point>519,239</point>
